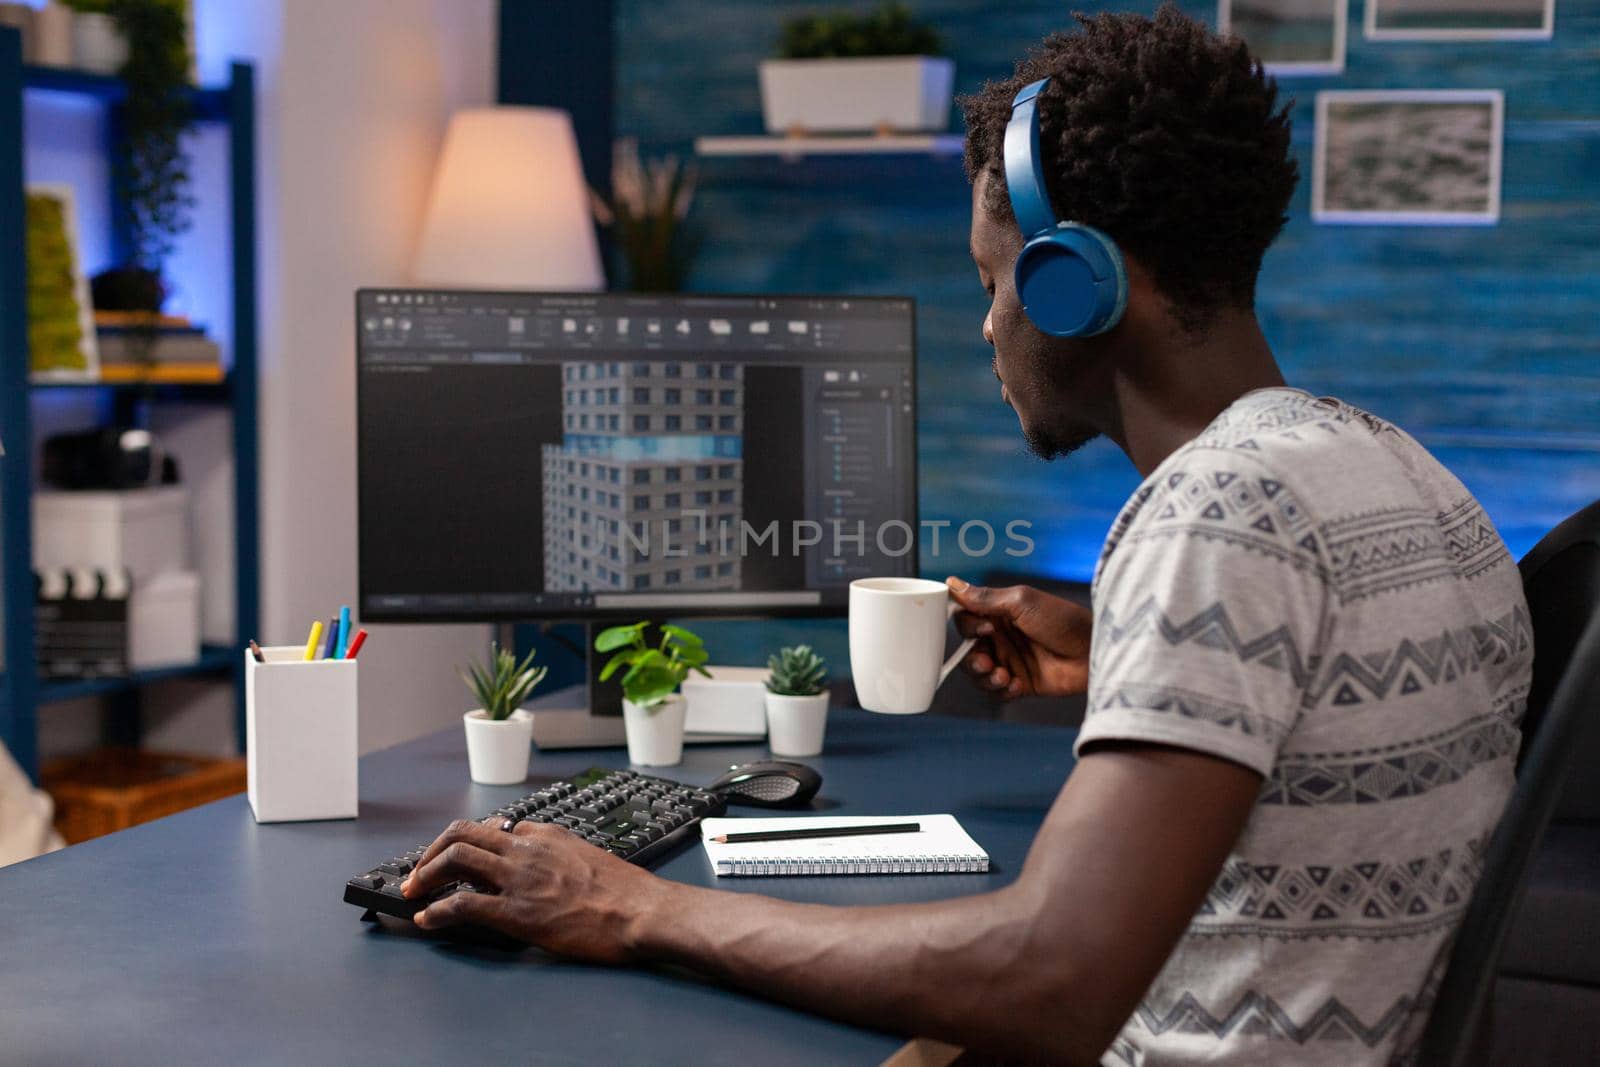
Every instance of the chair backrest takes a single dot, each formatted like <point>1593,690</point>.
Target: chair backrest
<point>1561,578</point>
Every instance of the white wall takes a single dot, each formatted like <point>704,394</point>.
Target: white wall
<point>353,99</point>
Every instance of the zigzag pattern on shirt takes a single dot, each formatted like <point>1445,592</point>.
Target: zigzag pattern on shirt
<point>1471,539</point>
<point>1413,665</point>
<point>1187,704</point>
<point>1351,679</point>
<point>1402,771</point>
<point>1258,1015</point>
<point>1210,627</point>
<point>1387,550</point>
<point>1383,897</point>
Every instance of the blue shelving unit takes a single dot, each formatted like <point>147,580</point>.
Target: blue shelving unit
<point>22,692</point>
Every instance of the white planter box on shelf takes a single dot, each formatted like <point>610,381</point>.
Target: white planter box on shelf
<point>865,95</point>
<point>498,752</point>
<point>655,733</point>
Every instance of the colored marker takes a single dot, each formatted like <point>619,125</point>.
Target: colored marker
<point>355,644</point>
<point>344,633</point>
<point>255,650</point>
<point>314,640</point>
<point>331,640</point>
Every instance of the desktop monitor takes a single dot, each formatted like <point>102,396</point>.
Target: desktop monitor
<point>563,456</point>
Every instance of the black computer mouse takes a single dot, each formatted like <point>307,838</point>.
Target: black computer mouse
<point>768,784</point>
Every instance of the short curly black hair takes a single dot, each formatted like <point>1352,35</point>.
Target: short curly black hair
<point>1160,133</point>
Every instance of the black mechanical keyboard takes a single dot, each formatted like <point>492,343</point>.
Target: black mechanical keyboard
<point>635,816</point>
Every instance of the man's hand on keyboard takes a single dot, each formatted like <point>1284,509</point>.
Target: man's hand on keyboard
<point>1029,643</point>
<point>539,884</point>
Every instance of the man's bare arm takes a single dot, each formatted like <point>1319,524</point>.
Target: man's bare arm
<point>1049,967</point>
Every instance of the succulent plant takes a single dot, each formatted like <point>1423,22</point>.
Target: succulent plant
<point>503,684</point>
<point>796,672</point>
<point>653,673</point>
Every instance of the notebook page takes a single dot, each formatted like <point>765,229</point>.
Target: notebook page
<point>941,846</point>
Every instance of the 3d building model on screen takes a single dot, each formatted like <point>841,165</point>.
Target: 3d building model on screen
<point>647,478</point>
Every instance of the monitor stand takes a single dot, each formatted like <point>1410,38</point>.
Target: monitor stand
<point>590,715</point>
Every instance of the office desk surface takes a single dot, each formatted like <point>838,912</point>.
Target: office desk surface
<point>206,938</point>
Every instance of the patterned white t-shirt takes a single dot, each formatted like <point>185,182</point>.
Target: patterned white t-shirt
<point>1304,590</point>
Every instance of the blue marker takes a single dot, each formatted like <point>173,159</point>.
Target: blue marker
<point>333,637</point>
<point>344,633</point>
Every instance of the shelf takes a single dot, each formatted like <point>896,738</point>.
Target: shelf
<point>214,659</point>
<point>208,103</point>
<point>932,144</point>
<point>198,391</point>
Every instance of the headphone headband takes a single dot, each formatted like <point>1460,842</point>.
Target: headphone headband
<point>1024,173</point>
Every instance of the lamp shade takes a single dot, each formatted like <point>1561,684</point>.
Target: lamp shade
<point>509,207</point>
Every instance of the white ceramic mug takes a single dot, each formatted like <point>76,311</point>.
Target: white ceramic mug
<point>896,641</point>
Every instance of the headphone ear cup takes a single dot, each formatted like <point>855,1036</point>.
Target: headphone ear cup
<point>1071,282</point>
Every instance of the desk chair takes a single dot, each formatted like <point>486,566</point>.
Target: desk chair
<point>1561,578</point>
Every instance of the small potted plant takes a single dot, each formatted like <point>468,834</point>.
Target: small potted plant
<point>650,200</point>
<point>797,702</point>
<point>844,72</point>
<point>652,708</point>
<point>499,732</point>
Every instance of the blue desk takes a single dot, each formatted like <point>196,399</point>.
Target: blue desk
<point>205,938</point>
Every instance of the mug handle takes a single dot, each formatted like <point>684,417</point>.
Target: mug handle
<point>961,651</point>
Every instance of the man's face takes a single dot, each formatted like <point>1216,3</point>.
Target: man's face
<point>1045,380</point>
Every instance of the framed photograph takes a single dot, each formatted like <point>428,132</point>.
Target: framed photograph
<point>1290,37</point>
<point>1460,20</point>
<point>1406,157</point>
<point>61,338</point>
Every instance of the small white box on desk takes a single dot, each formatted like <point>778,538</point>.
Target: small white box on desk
<point>732,701</point>
<point>300,736</point>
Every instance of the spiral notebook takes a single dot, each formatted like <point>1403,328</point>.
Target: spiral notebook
<point>940,847</point>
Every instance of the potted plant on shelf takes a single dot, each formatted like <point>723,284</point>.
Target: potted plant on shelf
<point>797,702</point>
<point>844,72</point>
<point>650,200</point>
<point>151,171</point>
<point>499,732</point>
<point>652,707</point>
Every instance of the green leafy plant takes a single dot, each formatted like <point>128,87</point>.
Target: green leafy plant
<point>796,672</point>
<point>653,673</point>
<point>888,31</point>
<point>152,170</point>
<point>501,686</point>
<point>646,214</point>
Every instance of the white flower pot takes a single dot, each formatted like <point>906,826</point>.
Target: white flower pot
<point>498,752</point>
<point>97,45</point>
<point>655,733</point>
<point>867,94</point>
<point>795,725</point>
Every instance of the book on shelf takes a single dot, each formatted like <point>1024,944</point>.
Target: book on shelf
<point>142,320</point>
<point>163,373</point>
<point>129,347</point>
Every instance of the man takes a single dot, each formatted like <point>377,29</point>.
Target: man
<point>1305,665</point>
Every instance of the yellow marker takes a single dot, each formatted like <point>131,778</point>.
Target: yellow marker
<point>314,640</point>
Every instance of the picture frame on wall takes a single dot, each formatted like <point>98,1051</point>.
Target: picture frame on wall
<point>1459,20</point>
<point>1408,157</point>
<point>61,337</point>
<point>1290,37</point>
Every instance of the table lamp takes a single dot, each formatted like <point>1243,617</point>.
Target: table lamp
<point>509,207</point>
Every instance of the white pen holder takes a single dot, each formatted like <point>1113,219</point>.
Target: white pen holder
<point>300,736</point>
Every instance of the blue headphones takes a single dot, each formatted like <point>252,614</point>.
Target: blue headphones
<point>1070,277</point>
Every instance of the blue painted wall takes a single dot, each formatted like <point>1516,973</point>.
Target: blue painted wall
<point>1483,342</point>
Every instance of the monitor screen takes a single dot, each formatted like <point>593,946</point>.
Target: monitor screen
<point>550,455</point>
